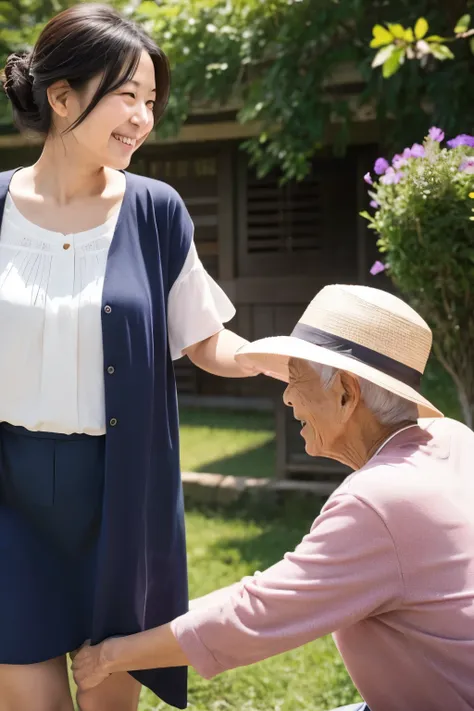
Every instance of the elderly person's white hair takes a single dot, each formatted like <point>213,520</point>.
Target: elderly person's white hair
<point>388,408</point>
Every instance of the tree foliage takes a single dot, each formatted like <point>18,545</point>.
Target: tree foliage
<point>275,60</point>
<point>397,43</point>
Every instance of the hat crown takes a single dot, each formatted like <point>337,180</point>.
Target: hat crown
<point>372,318</point>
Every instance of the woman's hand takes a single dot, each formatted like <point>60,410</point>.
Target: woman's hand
<point>89,666</point>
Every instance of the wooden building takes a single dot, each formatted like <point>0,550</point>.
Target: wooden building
<point>270,246</point>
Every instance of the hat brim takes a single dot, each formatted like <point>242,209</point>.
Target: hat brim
<point>271,356</point>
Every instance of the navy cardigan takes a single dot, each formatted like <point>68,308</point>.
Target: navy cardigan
<point>141,579</point>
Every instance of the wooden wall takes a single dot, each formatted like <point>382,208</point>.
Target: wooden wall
<point>270,246</point>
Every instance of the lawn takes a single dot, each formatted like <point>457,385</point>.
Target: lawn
<point>222,549</point>
<point>225,442</point>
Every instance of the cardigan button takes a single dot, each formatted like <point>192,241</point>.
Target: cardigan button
<point>108,309</point>
<point>113,421</point>
<point>111,370</point>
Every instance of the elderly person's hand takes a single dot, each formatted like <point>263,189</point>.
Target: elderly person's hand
<point>89,666</point>
<point>145,650</point>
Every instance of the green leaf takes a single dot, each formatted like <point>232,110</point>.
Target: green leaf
<point>397,30</point>
<point>393,63</point>
<point>381,36</point>
<point>369,217</point>
<point>471,45</point>
<point>421,28</point>
<point>409,35</point>
<point>462,24</point>
<point>441,52</point>
<point>149,9</point>
<point>382,55</point>
<point>435,38</point>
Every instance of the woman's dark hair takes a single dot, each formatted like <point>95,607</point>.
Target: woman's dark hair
<point>78,44</point>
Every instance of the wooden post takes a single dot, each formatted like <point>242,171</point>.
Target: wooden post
<point>226,232</point>
<point>241,188</point>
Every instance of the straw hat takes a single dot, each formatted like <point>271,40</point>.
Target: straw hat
<point>365,331</point>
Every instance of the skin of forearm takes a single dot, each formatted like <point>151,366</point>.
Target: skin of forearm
<point>155,648</point>
<point>216,355</point>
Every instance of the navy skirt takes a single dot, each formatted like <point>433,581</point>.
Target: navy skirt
<point>51,490</point>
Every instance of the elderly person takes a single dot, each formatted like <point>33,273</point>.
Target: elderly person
<point>388,565</point>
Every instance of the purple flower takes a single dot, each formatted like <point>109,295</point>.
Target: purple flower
<point>406,154</point>
<point>368,179</point>
<point>377,267</point>
<point>462,140</point>
<point>399,161</point>
<point>467,165</point>
<point>436,134</point>
<point>417,151</point>
<point>374,204</point>
<point>391,177</point>
<point>380,166</point>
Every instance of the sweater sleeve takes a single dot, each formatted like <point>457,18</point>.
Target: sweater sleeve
<point>344,570</point>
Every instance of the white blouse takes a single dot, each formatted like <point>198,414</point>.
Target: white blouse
<point>51,358</point>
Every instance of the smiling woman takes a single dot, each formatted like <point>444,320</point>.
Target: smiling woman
<point>54,89</point>
<point>29,76</point>
<point>101,288</point>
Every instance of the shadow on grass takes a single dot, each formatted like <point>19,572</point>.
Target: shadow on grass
<point>258,462</point>
<point>283,521</point>
<point>262,550</point>
<point>227,419</point>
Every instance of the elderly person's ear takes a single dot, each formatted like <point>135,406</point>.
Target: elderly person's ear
<point>347,388</point>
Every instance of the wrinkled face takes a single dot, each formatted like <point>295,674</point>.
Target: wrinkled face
<point>318,409</point>
<point>120,122</point>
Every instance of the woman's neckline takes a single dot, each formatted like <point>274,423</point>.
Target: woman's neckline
<point>47,233</point>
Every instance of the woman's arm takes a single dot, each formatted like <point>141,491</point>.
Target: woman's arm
<point>216,355</point>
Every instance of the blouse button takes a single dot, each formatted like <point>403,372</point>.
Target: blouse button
<point>66,245</point>
<point>108,309</point>
<point>113,421</point>
<point>111,370</point>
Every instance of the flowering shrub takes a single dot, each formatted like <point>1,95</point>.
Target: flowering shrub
<point>422,204</point>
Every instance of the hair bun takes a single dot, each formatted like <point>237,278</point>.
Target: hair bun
<point>18,86</point>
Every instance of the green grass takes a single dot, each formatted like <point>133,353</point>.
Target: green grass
<point>229,443</point>
<point>221,550</point>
